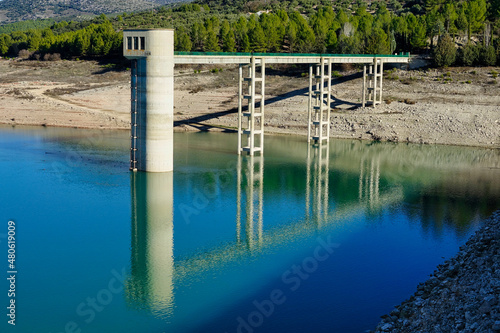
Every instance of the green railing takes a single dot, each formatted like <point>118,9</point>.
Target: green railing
<point>325,55</point>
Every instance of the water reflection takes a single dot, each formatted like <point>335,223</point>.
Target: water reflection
<point>369,181</point>
<point>152,258</point>
<point>250,176</point>
<point>341,184</point>
<point>318,171</point>
<point>396,210</point>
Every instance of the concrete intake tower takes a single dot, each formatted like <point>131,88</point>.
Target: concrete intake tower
<point>152,98</point>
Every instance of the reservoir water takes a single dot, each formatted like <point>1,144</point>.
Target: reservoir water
<point>303,239</point>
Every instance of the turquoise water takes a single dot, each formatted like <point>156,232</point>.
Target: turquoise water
<point>306,239</point>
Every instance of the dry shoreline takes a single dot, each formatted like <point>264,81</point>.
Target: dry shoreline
<point>460,106</point>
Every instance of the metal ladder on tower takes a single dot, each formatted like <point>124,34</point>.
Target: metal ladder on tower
<point>254,131</point>
<point>372,90</point>
<point>133,117</point>
<point>318,128</point>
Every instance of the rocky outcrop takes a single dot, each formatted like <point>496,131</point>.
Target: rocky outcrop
<point>462,295</point>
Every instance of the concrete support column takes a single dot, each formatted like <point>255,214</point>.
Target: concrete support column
<point>363,97</point>
<point>319,101</point>
<point>310,104</point>
<point>329,99</point>
<point>381,76</point>
<point>251,139</point>
<point>152,130</point>
<point>372,90</point>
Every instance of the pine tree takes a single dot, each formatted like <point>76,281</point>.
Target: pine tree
<point>198,36</point>
<point>331,41</point>
<point>5,43</point>
<point>245,43</point>
<point>212,42</point>
<point>475,11</point>
<point>257,38</point>
<point>229,42</point>
<point>291,36</point>
<point>377,42</point>
<point>445,52</point>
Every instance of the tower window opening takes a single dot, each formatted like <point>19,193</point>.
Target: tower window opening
<point>143,43</point>
<point>129,43</point>
<point>136,43</point>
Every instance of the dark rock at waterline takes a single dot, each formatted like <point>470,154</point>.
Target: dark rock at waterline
<point>462,295</point>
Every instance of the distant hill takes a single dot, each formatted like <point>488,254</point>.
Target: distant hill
<point>20,10</point>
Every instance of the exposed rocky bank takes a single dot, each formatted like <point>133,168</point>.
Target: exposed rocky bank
<point>462,295</point>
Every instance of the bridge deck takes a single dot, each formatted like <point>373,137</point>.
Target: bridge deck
<point>283,58</point>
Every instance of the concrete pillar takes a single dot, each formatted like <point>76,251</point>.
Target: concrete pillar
<point>329,98</point>
<point>153,51</point>
<point>319,101</point>
<point>310,105</point>
<point>363,98</point>
<point>381,73</point>
<point>256,91</point>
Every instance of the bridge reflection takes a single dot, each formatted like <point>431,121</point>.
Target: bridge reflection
<point>334,186</point>
<point>155,274</point>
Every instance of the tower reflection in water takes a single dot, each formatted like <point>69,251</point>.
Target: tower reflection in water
<point>150,285</point>
<point>194,285</point>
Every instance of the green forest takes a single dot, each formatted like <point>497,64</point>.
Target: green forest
<point>435,27</point>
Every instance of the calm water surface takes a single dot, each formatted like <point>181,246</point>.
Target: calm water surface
<point>305,239</point>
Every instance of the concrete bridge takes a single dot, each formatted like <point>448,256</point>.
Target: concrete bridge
<point>152,92</point>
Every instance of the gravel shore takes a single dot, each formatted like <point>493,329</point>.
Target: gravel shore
<point>462,295</point>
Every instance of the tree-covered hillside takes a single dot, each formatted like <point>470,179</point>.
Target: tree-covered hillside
<point>20,10</point>
<point>318,26</point>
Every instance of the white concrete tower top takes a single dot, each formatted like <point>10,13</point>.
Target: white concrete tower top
<point>141,43</point>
